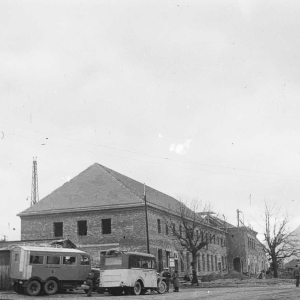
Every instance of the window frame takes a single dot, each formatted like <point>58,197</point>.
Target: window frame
<point>105,229</point>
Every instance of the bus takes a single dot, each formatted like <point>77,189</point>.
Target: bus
<point>34,270</point>
<point>130,273</point>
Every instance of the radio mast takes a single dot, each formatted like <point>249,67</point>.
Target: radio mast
<point>34,185</point>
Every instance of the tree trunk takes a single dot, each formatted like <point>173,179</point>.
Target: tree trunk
<point>275,268</point>
<point>194,265</point>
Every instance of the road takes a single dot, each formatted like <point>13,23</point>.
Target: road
<point>278,292</point>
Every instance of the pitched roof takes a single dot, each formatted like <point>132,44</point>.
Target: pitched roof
<point>96,188</point>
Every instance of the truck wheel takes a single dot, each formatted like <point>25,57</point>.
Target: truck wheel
<point>18,288</point>
<point>137,288</point>
<point>51,287</point>
<point>33,288</point>
<point>162,287</point>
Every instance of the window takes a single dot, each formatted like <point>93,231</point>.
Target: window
<point>216,263</point>
<point>167,258</point>
<point>208,263</point>
<point>167,230</point>
<point>82,227</point>
<point>58,229</point>
<point>218,241</point>
<point>223,266</point>
<point>180,230</point>
<point>53,260</point>
<point>85,260</point>
<point>181,261</point>
<point>174,228</point>
<point>160,260</point>
<point>36,259</point>
<point>69,260</point>
<point>212,262</point>
<point>203,262</point>
<point>17,256</point>
<point>158,226</point>
<point>106,226</point>
<point>199,262</point>
<point>197,234</point>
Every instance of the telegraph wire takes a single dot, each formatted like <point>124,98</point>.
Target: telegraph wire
<point>154,156</point>
<point>158,163</point>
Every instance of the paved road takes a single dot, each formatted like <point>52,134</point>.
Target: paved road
<point>280,292</point>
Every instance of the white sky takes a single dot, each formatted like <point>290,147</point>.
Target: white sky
<point>199,98</point>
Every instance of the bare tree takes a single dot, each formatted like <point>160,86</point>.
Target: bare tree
<point>189,224</point>
<point>279,241</point>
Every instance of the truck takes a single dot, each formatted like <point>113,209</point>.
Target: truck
<point>36,270</point>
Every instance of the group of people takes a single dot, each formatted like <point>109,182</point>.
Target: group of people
<point>174,278</point>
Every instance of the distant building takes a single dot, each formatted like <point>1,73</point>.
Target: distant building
<point>101,209</point>
<point>245,251</point>
<point>290,266</point>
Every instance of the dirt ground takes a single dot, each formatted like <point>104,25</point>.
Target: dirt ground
<point>230,290</point>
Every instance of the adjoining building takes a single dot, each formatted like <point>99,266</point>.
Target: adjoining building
<point>101,209</point>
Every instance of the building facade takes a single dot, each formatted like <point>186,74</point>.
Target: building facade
<point>245,252</point>
<point>101,209</point>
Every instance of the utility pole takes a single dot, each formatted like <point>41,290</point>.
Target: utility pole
<point>238,230</point>
<point>146,213</point>
<point>34,185</point>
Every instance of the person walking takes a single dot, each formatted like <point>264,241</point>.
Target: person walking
<point>297,275</point>
<point>175,281</point>
<point>90,283</point>
<point>167,275</point>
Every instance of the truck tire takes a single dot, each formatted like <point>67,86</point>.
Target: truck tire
<point>33,288</point>
<point>137,288</point>
<point>162,287</point>
<point>51,287</point>
<point>18,288</point>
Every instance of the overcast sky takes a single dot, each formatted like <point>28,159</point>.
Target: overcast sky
<point>194,98</point>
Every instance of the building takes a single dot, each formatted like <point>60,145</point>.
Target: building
<point>101,209</point>
<point>245,251</point>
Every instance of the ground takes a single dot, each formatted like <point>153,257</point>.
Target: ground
<point>218,290</point>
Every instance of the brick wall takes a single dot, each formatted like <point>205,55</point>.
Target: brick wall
<point>128,232</point>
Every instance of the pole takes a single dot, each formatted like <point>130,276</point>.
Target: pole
<point>238,227</point>
<point>146,213</point>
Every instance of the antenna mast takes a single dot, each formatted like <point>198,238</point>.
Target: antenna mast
<point>34,186</point>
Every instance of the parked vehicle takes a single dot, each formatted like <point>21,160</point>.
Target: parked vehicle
<point>129,273</point>
<point>34,270</point>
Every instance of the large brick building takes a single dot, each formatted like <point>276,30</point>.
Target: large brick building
<point>101,209</point>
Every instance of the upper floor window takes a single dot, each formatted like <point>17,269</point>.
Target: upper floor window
<point>58,229</point>
<point>158,226</point>
<point>167,229</point>
<point>82,227</point>
<point>106,226</point>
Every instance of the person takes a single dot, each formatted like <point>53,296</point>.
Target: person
<point>167,275</point>
<point>297,275</point>
<point>195,278</point>
<point>36,260</point>
<point>89,282</point>
<point>175,281</point>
